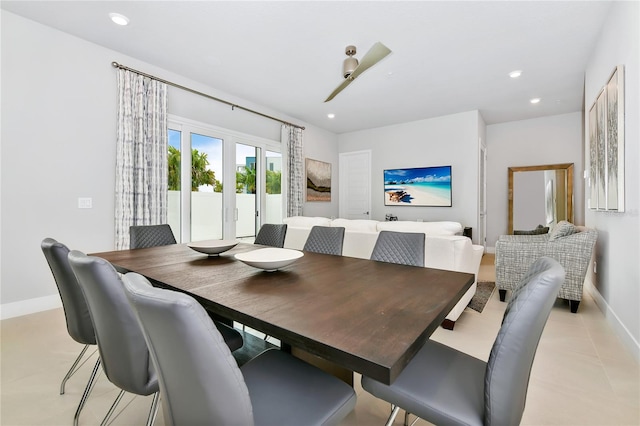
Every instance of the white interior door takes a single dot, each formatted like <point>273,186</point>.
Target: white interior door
<point>355,185</point>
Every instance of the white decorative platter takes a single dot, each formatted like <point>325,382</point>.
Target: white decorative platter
<point>213,247</point>
<point>270,259</point>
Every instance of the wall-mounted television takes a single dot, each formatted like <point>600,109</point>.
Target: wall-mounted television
<point>420,186</point>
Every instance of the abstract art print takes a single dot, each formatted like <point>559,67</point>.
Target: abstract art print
<point>421,186</point>
<point>606,146</point>
<point>318,180</point>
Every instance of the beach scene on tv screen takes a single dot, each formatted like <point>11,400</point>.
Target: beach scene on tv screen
<point>423,186</point>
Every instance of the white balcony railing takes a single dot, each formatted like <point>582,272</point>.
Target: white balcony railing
<point>206,214</point>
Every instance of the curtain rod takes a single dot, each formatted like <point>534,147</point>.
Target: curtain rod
<point>231,104</point>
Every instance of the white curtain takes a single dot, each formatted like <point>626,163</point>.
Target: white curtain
<point>294,188</point>
<point>141,154</point>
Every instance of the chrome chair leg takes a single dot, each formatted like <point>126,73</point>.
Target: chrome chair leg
<point>393,415</point>
<point>87,391</point>
<point>72,369</point>
<point>152,413</point>
<point>154,409</point>
<point>406,419</point>
<point>112,409</point>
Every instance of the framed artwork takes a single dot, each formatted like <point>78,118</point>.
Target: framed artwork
<point>420,186</point>
<point>318,180</point>
<point>606,146</point>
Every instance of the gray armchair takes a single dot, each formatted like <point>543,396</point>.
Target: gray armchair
<point>404,248</point>
<point>447,387</point>
<point>325,240</point>
<point>572,246</point>
<point>271,234</point>
<point>76,311</point>
<point>143,236</point>
<point>123,351</point>
<point>201,383</point>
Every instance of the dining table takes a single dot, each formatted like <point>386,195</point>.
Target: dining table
<point>364,316</point>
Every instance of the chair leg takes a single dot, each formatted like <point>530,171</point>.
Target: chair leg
<point>503,294</point>
<point>87,391</point>
<point>406,419</point>
<point>112,409</point>
<point>154,409</point>
<point>573,304</point>
<point>393,415</point>
<point>447,324</point>
<point>72,369</point>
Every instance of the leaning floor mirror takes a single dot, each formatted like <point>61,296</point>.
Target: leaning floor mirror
<point>540,196</point>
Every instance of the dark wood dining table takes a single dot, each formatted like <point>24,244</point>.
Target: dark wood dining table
<point>365,316</point>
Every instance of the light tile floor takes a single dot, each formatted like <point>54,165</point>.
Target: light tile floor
<point>582,374</point>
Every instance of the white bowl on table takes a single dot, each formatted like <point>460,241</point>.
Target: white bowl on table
<point>270,259</point>
<point>213,247</point>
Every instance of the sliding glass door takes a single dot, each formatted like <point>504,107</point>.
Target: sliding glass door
<point>222,184</point>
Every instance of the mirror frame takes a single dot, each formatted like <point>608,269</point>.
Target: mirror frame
<point>563,166</point>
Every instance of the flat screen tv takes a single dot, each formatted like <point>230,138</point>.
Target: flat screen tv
<point>420,186</point>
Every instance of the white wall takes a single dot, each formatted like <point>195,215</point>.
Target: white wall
<point>323,146</point>
<point>546,140</point>
<point>618,248</point>
<point>58,143</point>
<point>448,140</point>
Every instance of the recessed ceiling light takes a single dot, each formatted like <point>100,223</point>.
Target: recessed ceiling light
<point>119,19</point>
<point>331,115</point>
<point>515,74</point>
<point>535,100</point>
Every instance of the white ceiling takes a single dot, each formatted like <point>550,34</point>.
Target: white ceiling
<point>448,56</point>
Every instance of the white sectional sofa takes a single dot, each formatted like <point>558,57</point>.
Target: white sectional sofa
<point>445,247</point>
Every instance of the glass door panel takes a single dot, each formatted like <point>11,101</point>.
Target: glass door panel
<point>273,189</point>
<point>246,191</point>
<point>206,187</point>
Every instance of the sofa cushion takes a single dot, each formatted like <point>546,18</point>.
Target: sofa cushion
<point>356,224</point>
<point>562,229</point>
<point>429,228</point>
<point>537,231</point>
<point>306,222</point>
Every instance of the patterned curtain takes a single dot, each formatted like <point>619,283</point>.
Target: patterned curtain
<point>141,154</point>
<point>292,143</point>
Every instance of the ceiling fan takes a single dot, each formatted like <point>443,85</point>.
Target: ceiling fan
<point>352,69</point>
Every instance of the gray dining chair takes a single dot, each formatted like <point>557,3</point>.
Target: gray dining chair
<point>404,248</point>
<point>271,234</point>
<point>123,351</point>
<point>202,384</point>
<point>76,311</point>
<point>325,240</point>
<point>446,386</point>
<point>144,236</point>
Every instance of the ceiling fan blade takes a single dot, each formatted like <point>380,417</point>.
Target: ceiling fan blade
<point>339,89</point>
<point>377,52</point>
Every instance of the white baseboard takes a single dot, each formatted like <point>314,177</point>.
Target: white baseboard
<point>30,306</point>
<point>490,250</point>
<point>622,331</point>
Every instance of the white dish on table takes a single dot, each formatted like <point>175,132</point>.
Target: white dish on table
<point>270,259</point>
<point>213,247</point>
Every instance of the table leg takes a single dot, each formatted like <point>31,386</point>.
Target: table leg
<point>342,373</point>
